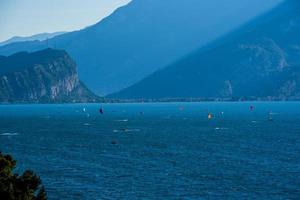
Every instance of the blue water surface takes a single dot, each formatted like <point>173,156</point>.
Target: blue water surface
<point>159,150</point>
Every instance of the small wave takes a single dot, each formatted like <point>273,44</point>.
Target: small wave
<point>122,120</point>
<point>87,124</point>
<point>221,128</point>
<point>126,130</point>
<point>9,134</point>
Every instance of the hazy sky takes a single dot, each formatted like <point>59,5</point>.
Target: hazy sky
<point>28,17</point>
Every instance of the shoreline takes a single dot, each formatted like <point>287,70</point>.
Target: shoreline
<point>149,101</point>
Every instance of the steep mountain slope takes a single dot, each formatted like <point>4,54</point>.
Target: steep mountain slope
<point>43,76</point>
<point>144,36</point>
<point>39,37</point>
<point>260,60</point>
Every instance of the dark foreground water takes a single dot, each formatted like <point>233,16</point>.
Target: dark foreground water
<point>159,151</point>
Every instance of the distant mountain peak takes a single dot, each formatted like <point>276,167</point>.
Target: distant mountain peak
<point>38,37</point>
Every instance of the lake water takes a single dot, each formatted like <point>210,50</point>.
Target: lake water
<point>158,151</point>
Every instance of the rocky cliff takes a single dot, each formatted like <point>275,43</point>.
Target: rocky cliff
<point>43,77</point>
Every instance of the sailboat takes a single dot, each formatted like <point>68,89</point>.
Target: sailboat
<point>209,116</point>
<point>101,111</point>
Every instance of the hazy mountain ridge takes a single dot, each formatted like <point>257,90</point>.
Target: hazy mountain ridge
<point>261,60</point>
<point>144,36</point>
<point>38,37</point>
<point>43,77</point>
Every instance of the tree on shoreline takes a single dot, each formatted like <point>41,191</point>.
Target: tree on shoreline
<point>19,187</point>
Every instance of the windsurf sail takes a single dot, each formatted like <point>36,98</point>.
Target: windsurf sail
<point>209,116</point>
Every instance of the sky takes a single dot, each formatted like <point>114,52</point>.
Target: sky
<point>29,17</point>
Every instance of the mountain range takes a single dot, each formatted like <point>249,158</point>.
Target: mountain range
<point>260,60</point>
<point>45,76</point>
<point>144,36</point>
<point>39,37</point>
